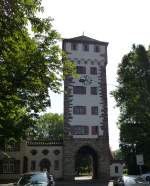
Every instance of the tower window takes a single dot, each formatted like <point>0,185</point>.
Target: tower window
<point>81,70</point>
<point>74,46</point>
<point>64,46</point>
<point>79,90</point>
<point>96,48</point>
<point>81,110</point>
<point>93,90</point>
<point>94,110</point>
<point>93,70</point>
<point>80,130</point>
<point>85,47</point>
<point>94,130</point>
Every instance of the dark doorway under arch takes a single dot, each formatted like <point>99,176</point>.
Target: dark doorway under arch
<point>86,162</point>
<point>45,165</point>
<point>25,164</point>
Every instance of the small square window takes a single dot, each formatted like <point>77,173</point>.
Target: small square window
<point>96,48</point>
<point>94,130</point>
<point>74,46</point>
<point>85,47</point>
<point>94,110</point>
<point>93,90</point>
<point>93,70</point>
<point>81,110</point>
<point>80,130</point>
<point>81,70</point>
<point>79,90</point>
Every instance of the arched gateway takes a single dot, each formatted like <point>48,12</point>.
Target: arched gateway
<point>86,162</point>
<point>85,109</point>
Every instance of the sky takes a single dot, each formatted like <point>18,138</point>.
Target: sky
<point>122,23</point>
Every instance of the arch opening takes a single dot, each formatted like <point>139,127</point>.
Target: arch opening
<point>45,165</point>
<point>86,163</point>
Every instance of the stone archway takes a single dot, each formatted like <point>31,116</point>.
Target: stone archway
<point>45,165</point>
<point>86,159</point>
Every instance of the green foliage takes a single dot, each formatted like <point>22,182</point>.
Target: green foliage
<point>133,98</point>
<point>30,64</point>
<point>83,165</point>
<point>49,126</point>
<point>117,154</point>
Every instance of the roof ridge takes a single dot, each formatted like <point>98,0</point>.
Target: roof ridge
<point>87,39</point>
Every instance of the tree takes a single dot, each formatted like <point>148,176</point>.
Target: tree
<point>49,126</point>
<point>30,64</point>
<point>117,154</point>
<point>133,98</point>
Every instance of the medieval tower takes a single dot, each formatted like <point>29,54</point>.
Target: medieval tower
<point>85,108</point>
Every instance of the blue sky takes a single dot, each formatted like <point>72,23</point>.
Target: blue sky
<point>119,22</point>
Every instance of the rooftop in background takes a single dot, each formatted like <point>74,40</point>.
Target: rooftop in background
<point>85,39</point>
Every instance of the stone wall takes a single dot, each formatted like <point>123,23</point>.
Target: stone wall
<point>100,146</point>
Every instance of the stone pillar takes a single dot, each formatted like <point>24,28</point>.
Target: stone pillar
<point>68,161</point>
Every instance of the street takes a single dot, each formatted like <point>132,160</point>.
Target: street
<point>63,183</point>
<point>79,181</point>
<point>82,183</point>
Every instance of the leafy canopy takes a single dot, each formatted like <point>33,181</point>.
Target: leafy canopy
<point>48,126</point>
<point>30,64</point>
<point>133,98</point>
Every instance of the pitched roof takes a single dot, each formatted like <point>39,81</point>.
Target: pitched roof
<point>117,161</point>
<point>85,39</point>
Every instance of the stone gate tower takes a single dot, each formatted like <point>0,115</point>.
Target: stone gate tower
<point>85,107</point>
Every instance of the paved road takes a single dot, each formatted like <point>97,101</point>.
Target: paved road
<point>79,181</point>
<point>84,183</point>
